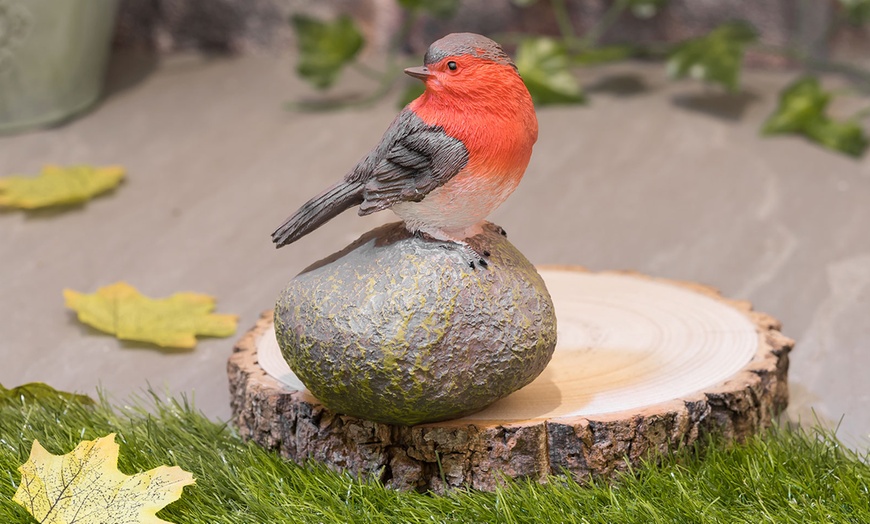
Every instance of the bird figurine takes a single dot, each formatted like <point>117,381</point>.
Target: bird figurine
<point>449,158</point>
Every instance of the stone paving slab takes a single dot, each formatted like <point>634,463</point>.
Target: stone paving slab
<point>667,179</point>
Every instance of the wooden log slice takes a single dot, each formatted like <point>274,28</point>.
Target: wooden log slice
<point>641,366</point>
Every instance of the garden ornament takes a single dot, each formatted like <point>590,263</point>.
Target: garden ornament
<point>449,158</point>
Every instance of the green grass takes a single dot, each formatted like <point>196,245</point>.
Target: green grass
<point>785,476</point>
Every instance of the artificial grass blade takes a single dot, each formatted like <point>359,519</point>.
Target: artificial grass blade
<point>785,475</point>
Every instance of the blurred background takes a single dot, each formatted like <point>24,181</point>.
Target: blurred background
<point>714,141</point>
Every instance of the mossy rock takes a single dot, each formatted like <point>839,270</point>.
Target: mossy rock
<point>400,329</point>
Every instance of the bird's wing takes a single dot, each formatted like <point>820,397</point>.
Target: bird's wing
<point>412,159</point>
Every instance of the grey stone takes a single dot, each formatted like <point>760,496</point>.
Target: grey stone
<point>400,329</point>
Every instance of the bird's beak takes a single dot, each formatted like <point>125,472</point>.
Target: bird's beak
<point>418,72</point>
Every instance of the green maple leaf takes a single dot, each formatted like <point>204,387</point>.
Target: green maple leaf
<point>802,110</point>
<point>439,8</point>
<point>325,47</point>
<point>716,57</point>
<point>545,67</point>
<point>58,186</point>
<point>168,322</point>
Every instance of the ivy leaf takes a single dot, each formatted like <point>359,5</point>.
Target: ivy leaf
<point>325,47</point>
<point>86,487</point>
<point>603,55</point>
<point>58,186</point>
<point>802,110</point>
<point>545,67</point>
<point>716,57</point>
<point>41,393</point>
<point>414,90</point>
<point>439,8</point>
<point>646,8</point>
<point>857,11</point>
<point>800,105</point>
<point>168,322</point>
<point>847,137</point>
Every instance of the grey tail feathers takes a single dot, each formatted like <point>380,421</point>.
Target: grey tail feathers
<point>318,211</point>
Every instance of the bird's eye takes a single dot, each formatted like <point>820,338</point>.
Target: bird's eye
<point>452,66</point>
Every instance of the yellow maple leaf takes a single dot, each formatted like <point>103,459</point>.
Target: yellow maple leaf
<point>86,487</point>
<point>169,322</point>
<point>58,186</point>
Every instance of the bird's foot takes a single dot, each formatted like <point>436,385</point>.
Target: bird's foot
<point>475,254</point>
